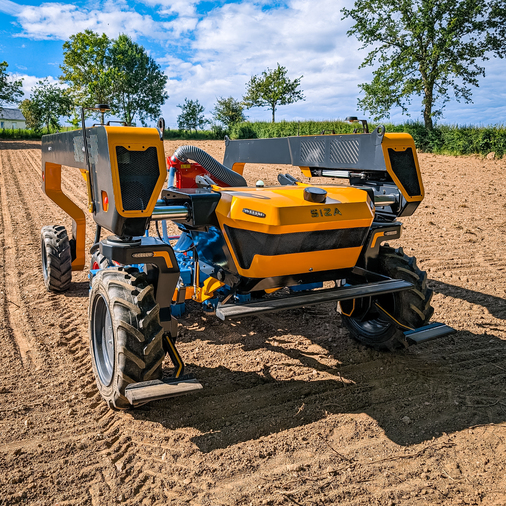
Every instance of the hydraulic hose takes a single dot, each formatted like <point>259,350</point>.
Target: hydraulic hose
<point>214,167</point>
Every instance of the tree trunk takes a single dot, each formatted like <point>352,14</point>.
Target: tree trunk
<point>427,112</point>
<point>273,112</point>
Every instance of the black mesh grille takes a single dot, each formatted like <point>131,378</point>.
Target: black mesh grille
<point>247,244</point>
<point>138,174</point>
<point>403,165</point>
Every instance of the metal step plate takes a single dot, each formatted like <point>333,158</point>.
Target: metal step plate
<point>428,332</point>
<point>146,391</point>
<point>316,297</point>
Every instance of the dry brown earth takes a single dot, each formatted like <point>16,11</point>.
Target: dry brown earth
<point>293,410</point>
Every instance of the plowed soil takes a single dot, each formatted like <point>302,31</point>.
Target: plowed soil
<point>293,411</point>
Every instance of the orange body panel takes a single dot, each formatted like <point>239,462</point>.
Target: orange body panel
<point>401,142</point>
<point>135,139</point>
<point>51,184</point>
<point>284,211</point>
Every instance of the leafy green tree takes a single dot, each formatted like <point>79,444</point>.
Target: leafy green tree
<point>192,115</point>
<point>228,111</point>
<point>32,118</point>
<point>425,48</point>
<point>47,103</point>
<point>117,72</point>
<point>10,91</point>
<point>272,89</point>
<point>86,68</point>
<point>138,81</point>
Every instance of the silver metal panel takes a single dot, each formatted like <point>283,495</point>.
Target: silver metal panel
<point>147,391</point>
<point>66,148</point>
<point>344,151</point>
<point>312,152</point>
<point>79,149</point>
<point>257,151</point>
<point>358,152</point>
<point>308,299</point>
<point>60,149</point>
<point>350,151</point>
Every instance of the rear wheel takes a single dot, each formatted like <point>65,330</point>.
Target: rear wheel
<point>371,320</point>
<point>56,258</point>
<point>99,261</point>
<point>125,333</point>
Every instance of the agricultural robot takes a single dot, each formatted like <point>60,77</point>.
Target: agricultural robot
<point>241,250</point>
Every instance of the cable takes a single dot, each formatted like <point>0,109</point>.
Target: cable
<point>390,316</point>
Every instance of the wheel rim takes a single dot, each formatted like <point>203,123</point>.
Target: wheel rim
<point>44,259</point>
<point>374,325</point>
<point>103,340</point>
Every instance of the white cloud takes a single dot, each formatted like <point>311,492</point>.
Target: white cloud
<point>236,41</point>
<point>30,81</point>
<point>171,7</point>
<point>9,7</point>
<point>53,20</point>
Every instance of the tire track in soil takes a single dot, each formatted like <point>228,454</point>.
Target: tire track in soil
<point>33,224</point>
<point>16,314</point>
<point>70,329</point>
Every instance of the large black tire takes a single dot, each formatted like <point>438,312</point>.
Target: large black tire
<point>410,308</point>
<point>99,261</point>
<point>126,338</point>
<point>56,258</point>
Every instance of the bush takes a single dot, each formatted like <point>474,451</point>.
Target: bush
<point>243,131</point>
<point>186,135</point>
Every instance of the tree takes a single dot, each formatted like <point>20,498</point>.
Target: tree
<point>425,48</point>
<point>86,68</point>
<point>115,72</point>
<point>192,115</point>
<point>10,91</point>
<point>32,119</point>
<point>228,111</point>
<point>46,105</point>
<point>138,82</point>
<point>272,89</point>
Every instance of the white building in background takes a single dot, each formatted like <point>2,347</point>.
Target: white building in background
<point>11,118</point>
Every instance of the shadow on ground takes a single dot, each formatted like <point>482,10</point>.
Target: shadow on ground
<point>19,144</point>
<point>415,395</point>
<point>495,305</point>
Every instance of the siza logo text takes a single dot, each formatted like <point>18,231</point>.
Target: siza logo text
<point>326,211</point>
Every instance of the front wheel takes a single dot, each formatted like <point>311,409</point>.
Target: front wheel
<point>56,258</point>
<point>126,338</point>
<point>366,319</point>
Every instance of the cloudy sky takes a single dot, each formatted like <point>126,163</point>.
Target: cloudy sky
<point>210,49</point>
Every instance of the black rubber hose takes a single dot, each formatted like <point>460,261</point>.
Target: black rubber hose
<point>214,167</point>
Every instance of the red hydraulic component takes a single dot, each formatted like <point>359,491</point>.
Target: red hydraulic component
<point>186,172</point>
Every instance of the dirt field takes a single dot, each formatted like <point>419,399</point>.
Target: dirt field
<point>293,411</point>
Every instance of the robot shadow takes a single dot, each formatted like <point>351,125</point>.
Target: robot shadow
<point>495,305</point>
<point>440,387</point>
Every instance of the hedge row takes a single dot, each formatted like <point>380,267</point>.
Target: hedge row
<point>19,133</point>
<point>216,133</point>
<point>443,139</point>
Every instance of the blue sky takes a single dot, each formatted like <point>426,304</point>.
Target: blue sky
<point>210,49</point>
